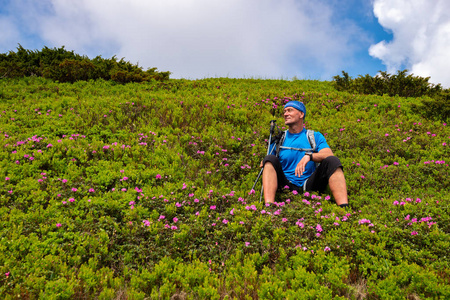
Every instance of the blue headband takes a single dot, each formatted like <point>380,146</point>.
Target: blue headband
<point>297,105</point>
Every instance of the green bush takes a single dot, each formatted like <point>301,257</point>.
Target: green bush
<point>66,66</point>
<point>398,84</point>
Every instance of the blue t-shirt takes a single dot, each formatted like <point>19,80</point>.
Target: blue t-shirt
<point>289,158</point>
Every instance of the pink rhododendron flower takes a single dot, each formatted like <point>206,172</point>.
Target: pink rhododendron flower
<point>364,221</point>
<point>252,207</point>
<point>300,224</point>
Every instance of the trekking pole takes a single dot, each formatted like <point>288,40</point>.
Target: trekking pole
<point>272,127</point>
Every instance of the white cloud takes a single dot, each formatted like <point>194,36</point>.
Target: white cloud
<point>421,44</point>
<point>8,31</point>
<point>201,38</point>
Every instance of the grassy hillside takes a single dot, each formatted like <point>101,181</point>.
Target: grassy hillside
<point>142,191</point>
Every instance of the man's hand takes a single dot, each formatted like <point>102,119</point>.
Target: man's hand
<point>302,165</point>
<point>261,164</point>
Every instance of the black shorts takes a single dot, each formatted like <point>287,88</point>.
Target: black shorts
<point>318,180</point>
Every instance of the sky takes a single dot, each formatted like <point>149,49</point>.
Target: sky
<point>267,39</point>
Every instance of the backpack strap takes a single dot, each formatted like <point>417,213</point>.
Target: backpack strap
<point>311,139</point>
<point>312,142</point>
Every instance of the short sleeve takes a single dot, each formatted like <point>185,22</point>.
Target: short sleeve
<point>321,142</point>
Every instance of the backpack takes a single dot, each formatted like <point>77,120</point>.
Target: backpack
<point>279,140</point>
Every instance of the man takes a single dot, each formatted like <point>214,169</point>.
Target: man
<point>296,168</point>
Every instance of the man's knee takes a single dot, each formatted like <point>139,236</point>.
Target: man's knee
<point>333,163</point>
<point>332,160</point>
<point>268,166</point>
<point>272,159</point>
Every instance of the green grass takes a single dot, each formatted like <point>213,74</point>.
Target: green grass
<point>142,191</point>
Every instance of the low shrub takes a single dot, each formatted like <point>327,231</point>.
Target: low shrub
<point>143,191</point>
<point>66,66</point>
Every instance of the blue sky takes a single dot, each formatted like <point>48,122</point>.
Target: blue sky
<point>242,38</point>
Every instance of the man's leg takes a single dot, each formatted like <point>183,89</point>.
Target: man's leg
<point>270,182</point>
<point>330,172</point>
<point>273,178</point>
<point>338,187</point>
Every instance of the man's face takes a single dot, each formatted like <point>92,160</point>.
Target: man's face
<point>292,116</point>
